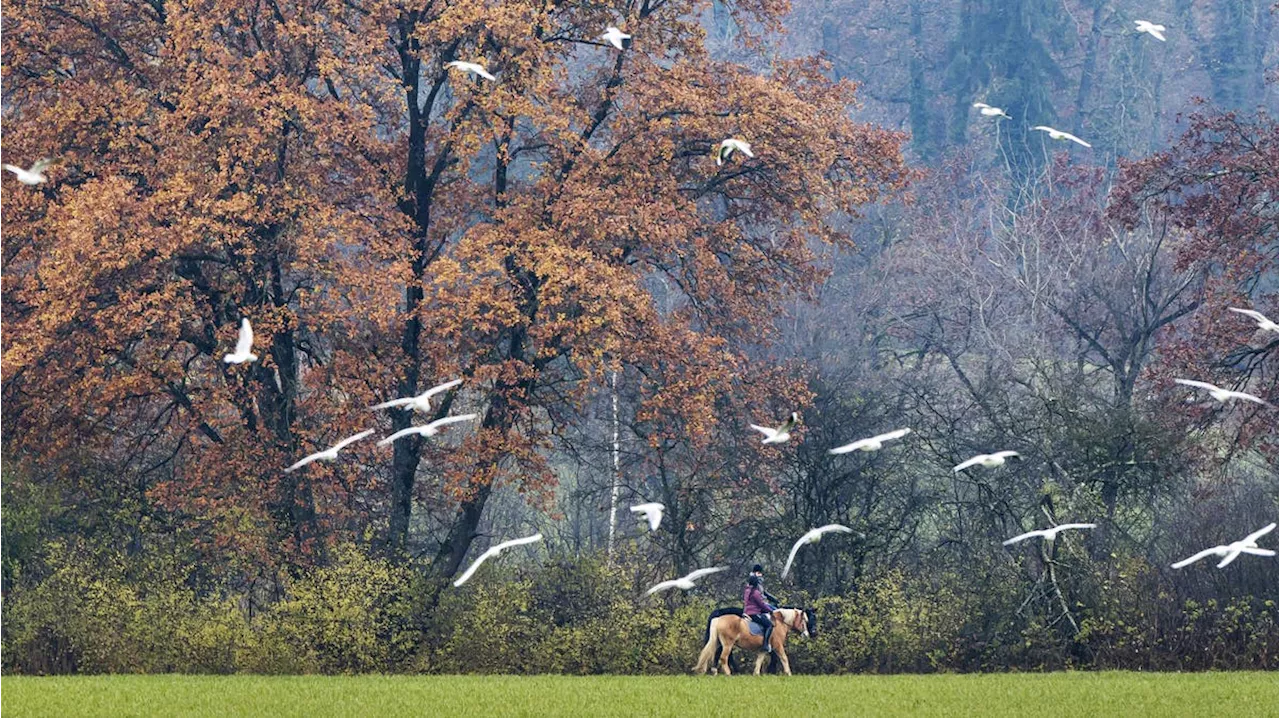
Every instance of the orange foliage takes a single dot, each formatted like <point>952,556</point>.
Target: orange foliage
<point>385,222</point>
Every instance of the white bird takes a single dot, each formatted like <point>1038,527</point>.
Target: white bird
<point>1060,135</point>
<point>1048,534</point>
<point>989,111</point>
<point>421,402</point>
<point>331,453</point>
<point>33,176</point>
<point>727,146</point>
<point>988,460</point>
<point>684,583</point>
<point>1232,551</point>
<point>615,36</point>
<point>471,67</point>
<point>780,435</point>
<point>492,552</point>
<point>1258,317</point>
<point>428,429</point>
<point>1156,31</point>
<point>652,513</point>
<point>244,346</point>
<point>873,444</point>
<point>1221,394</point>
<point>813,536</point>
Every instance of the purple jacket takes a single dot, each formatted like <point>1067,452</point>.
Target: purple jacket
<point>753,601</point>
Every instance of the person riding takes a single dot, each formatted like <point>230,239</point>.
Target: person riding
<point>758,605</point>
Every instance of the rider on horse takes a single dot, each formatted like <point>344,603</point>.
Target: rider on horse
<point>758,604</point>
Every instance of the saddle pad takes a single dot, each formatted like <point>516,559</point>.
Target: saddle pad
<point>756,629</point>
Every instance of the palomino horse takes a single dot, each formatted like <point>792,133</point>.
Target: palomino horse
<point>728,631</point>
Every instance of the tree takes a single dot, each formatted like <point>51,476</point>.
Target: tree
<point>386,222</point>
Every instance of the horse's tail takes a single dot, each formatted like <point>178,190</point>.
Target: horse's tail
<point>710,651</point>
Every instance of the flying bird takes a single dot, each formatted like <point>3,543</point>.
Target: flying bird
<point>652,513</point>
<point>989,111</point>
<point>988,460</point>
<point>471,67</point>
<point>1258,317</point>
<point>421,402</point>
<point>33,176</point>
<point>244,346</point>
<point>780,435</point>
<point>727,146</point>
<point>1232,551</point>
<point>875,443</point>
<point>492,552</point>
<point>428,429</point>
<point>1156,31</point>
<point>813,536</point>
<point>1048,534</point>
<point>1060,135</point>
<point>615,36</point>
<point>1221,394</point>
<point>684,583</point>
<point>331,453</point>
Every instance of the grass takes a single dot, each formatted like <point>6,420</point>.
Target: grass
<point>1051,694</point>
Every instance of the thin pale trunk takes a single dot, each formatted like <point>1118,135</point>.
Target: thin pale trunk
<point>613,493</point>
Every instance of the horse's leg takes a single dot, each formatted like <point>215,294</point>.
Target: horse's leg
<point>786,664</point>
<point>759,662</point>
<point>724,658</point>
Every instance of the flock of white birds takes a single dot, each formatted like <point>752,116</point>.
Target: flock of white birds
<point>652,512</point>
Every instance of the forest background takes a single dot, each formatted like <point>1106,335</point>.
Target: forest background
<point>620,308</point>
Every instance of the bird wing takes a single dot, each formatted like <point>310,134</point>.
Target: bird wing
<point>42,164</point>
<point>981,105</point>
<point>1197,384</point>
<point>1022,537</point>
<point>1044,128</point>
<point>244,343</point>
<point>516,542</point>
<point>1256,316</point>
<point>746,149</point>
<point>768,433</point>
<point>893,435</point>
<point>437,389</point>
<point>849,447</point>
<point>1233,553</point>
<point>305,460</point>
<point>661,587</point>
<point>14,169</point>
<point>1248,397</point>
<point>1075,139</point>
<point>1254,550</point>
<point>1215,551</point>
<point>472,568</point>
<point>401,434</point>
<point>968,462</point>
<point>394,402</point>
<point>1156,32</point>
<point>351,440</point>
<point>792,556</point>
<point>485,74</point>
<point>829,528</point>
<point>695,575</point>
<point>1253,537</point>
<point>1064,527</point>
<point>450,420</point>
<point>1005,454</point>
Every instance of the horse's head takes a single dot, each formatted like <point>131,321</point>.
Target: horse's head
<point>811,623</point>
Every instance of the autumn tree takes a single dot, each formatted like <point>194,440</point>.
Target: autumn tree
<point>386,223</point>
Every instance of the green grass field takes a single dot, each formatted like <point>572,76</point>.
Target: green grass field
<point>1052,695</point>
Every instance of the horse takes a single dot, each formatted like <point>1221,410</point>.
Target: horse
<point>728,629</point>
